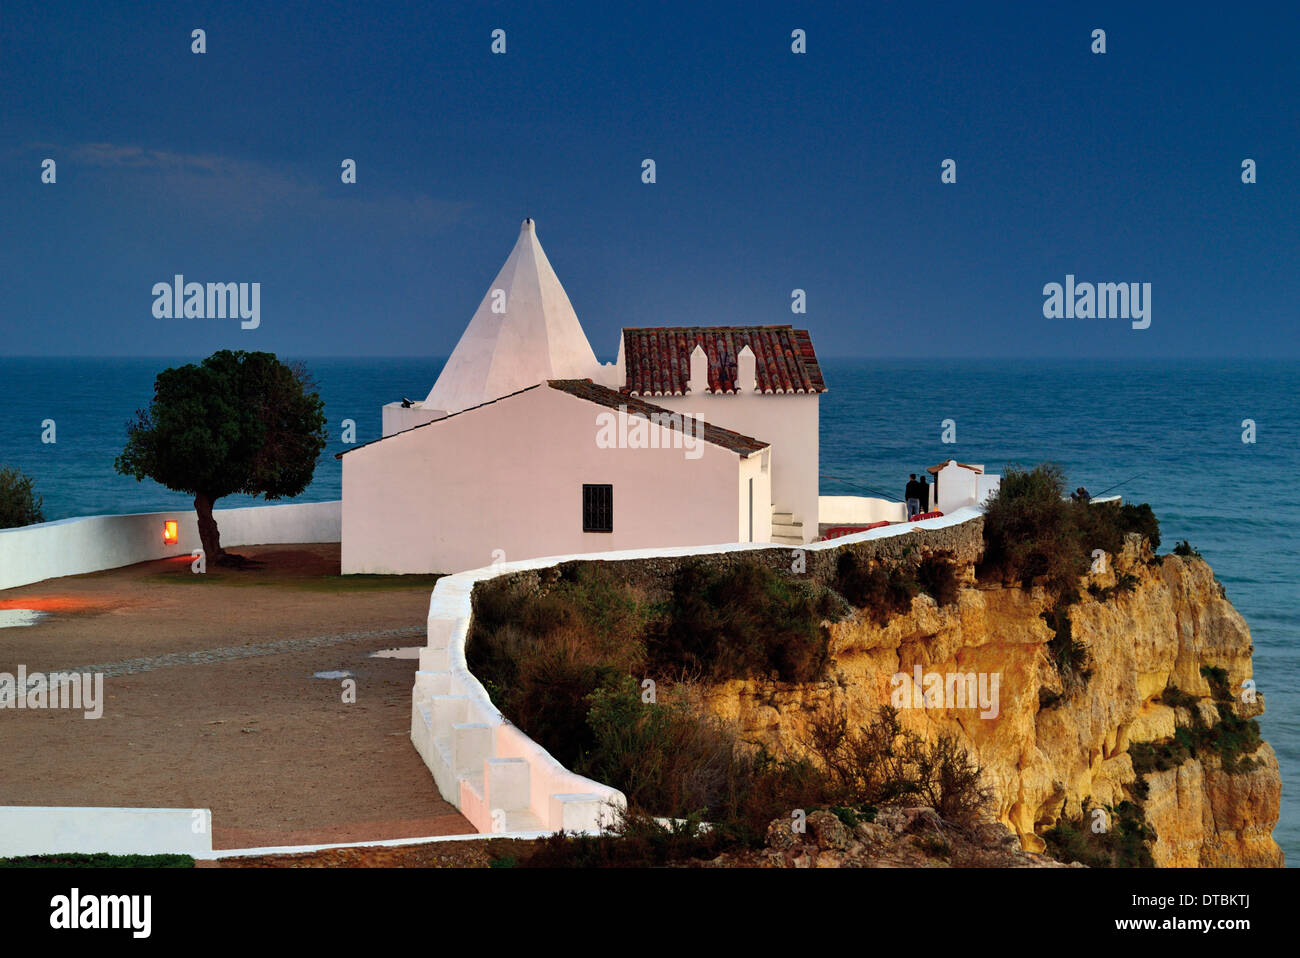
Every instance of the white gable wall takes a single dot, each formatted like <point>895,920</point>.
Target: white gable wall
<point>788,422</point>
<point>508,476</point>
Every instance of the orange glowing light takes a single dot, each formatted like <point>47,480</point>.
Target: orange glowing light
<point>170,535</point>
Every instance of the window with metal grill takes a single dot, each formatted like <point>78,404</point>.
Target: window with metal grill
<point>597,508</point>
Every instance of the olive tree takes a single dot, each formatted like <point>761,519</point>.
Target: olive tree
<point>238,422</point>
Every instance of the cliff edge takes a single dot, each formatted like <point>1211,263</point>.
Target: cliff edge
<point>1124,703</point>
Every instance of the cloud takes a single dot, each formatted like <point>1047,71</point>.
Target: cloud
<point>216,186</point>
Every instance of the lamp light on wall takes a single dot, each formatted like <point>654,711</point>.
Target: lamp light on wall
<point>170,534</point>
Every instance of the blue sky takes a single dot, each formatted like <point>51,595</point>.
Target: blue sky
<point>775,171</point>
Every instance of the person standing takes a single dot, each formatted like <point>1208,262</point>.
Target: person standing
<point>913,496</point>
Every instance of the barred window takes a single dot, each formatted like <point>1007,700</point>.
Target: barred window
<point>597,508</point>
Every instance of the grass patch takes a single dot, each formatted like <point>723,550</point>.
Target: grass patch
<point>325,583</point>
<point>97,860</point>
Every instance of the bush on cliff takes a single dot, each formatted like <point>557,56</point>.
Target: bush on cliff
<point>19,506</point>
<point>1032,532</point>
<point>741,622</point>
<point>1125,842</point>
<point>878,590</point>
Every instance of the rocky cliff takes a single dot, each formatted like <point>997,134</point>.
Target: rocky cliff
<point>1055,741</point>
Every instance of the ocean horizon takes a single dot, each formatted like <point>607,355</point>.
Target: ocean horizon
<point>1165,432</point>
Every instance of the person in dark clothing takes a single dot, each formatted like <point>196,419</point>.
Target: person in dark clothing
<point>1080,495</point>
<point>913,496</point>
<point>923,493</point>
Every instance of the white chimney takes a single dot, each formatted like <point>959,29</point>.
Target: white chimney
<point>746,372</point>
<point>699,381</point>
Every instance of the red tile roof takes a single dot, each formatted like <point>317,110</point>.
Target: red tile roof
<point>612,399</point>
<point>658,359</point>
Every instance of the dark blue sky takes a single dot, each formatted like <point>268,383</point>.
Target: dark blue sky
<point>775,171</point>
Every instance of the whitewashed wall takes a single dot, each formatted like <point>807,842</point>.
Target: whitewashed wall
<point>858,510</point>
<point>52,830</point>
<point>508,476</point>
<point>788,422</point>
<point>500,779</point>
<point>397,417</point>
<point>94,543</point>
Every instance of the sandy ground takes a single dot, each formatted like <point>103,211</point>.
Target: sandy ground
<point>210,700</point>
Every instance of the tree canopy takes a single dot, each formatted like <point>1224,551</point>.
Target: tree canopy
<point>238,422</point>
<point>19,506</point>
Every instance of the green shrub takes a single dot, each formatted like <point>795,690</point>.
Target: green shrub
<point>937,577</point>
<point>662,756</point>
<point>741,622</point>
<point>879,591</point>
<point>1231,738</point>
<point>19,506</point>
<point>636,841</point>
<point>97,860</point>
<point>1184,549</point>
<point>1140,519</point>
<point>1031,532</point>
<point>1125,843</point>
<point>1175,697</point>
<point>882,763</point>
<point>1070,656</point>
<point>1125,583</point>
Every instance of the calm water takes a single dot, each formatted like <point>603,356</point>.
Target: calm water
<point>1175,426</point>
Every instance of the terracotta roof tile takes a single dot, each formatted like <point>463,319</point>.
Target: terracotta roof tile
<point>658,359</point>
<point>612,399</point>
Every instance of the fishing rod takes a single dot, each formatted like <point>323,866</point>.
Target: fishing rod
<point>860,487</point>
<point>1118,484</point>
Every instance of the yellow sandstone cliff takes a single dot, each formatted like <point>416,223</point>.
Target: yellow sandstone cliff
<point>1049,751</point>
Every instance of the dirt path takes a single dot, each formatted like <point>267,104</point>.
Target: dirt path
<point>210,699</point>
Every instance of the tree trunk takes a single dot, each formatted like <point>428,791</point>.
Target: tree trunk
<point>209,535</point>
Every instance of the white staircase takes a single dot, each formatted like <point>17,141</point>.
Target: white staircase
<point>786,529</point>
<point>498,778</point>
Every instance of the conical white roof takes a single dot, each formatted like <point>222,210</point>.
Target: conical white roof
<point>537,337</point>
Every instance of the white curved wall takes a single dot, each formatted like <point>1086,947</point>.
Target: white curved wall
<point>93,543</point>
<point>501,780</point>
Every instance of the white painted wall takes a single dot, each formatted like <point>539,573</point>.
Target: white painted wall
<point>760,493</point>
<point>51,830</point>
<point>788,422</point>
<point>958,487</point>
<point>858,510</point>
<point>397,417</point>
<point>985,486</point>
<point>497,777</point>
<point>508,476</point>
<point>94,543</point>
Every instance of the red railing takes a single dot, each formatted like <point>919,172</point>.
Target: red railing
<point>834,532</point>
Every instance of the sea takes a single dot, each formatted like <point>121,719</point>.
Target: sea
<point>1169,433</point>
